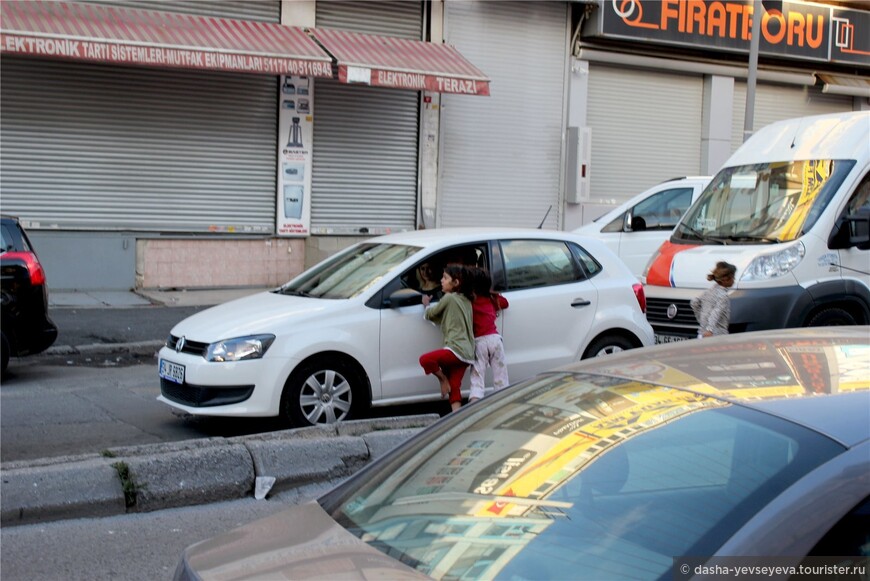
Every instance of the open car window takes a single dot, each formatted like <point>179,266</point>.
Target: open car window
<point>433,264</point>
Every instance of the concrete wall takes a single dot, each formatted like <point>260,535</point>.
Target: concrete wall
<point>162,263</point>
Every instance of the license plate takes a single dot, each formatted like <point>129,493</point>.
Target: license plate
<point>171,371</point>
<point>660,339</point>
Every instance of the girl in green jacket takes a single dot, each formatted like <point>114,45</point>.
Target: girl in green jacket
<point>453,314</point>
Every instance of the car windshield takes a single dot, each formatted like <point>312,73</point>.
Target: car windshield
<point>765,202</point>
<point>349,273</point>
<point>576,476</point>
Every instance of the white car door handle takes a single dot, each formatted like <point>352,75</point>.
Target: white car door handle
<point>580,302</point>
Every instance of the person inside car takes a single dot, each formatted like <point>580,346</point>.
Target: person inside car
<point>429,280</point>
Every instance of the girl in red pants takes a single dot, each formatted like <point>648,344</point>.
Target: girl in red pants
<point>453,314</point>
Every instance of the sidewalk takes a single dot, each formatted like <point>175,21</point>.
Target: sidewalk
<point>142,298</point>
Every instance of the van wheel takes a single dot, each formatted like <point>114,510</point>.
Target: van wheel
<point>606,345</point>
<point>4,352</point>
<point>832,317</point>
<point>321,391</point>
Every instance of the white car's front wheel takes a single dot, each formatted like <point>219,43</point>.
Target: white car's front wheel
<point>321,392</point>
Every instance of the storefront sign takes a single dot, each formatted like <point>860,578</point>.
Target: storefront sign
<point>295,131</point>
<point>793,30</point>
<point>413,81</point>
<point>159,56</point>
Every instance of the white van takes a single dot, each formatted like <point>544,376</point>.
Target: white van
<point>636,228</point>
<point>790,209</point>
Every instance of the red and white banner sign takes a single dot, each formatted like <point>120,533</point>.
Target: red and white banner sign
<point>161,56</point>
<point>384,61</point>
<point>415,81</point>
<point>115,34</point>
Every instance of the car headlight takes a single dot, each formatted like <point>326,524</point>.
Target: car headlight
<point>239,348</point>
<point>774,264</point>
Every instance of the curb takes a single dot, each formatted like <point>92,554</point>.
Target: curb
<point>98,348</point>
<point>152,477</point>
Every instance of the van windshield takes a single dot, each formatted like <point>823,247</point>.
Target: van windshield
<point>765,202</point>
<point>349,273</point>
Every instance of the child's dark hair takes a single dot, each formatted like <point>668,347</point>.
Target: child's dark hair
<point>481,284</point>
<point>723,270</point>
<point>459,272</point>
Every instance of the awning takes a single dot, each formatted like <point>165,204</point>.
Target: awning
<point>112,34</point>
<point>396,62</point>
<point>845,85</point>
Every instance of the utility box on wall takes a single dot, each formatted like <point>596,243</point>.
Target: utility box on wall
<point>109,264</point>
<point>577,165</point>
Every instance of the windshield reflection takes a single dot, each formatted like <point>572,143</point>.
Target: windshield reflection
<point>349,273</point>
<point>765,202</point>
<point>581,475</point>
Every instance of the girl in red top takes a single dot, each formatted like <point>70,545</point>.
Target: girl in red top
<point>488,344</point>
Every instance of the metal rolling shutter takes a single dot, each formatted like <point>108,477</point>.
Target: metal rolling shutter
<point>262,10</point>
<point>646,128</point>
<point>778,102</point>
<point>364,176</point>
<point>125,148</point>
<point>501,156</point>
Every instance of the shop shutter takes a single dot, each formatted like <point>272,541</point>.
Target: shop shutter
<point>501,156</point>
<point>88,146</point>
<point>778,102</point>
<point>364,175</point>
<point>646,128</point>
<point>388,18</point>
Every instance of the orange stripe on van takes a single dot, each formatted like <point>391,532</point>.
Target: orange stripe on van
<point>660,270</point>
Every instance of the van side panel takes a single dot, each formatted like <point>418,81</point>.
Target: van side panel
<point>769,308</point>
<point>848,294</point>
<point>794,306</point>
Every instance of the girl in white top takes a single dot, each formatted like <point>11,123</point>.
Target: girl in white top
<point>713,309</point>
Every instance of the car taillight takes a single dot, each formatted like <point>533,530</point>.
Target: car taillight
<point>34,269</point>
<point>640,296</point>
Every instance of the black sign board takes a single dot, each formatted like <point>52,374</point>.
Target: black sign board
<point>796,30</point>
<point>850,36</point>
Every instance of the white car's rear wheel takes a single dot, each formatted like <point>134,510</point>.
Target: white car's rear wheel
<point>606,345</point>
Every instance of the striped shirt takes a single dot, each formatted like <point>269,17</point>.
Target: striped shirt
<point>713,310</point>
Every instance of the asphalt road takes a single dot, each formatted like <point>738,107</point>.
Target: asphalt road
<point>133,547</point>
<point>59,406</point>
<point>52,410</point>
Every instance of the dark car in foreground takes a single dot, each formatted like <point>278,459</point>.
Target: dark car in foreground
<point>24,321</point>
<point>648,464</point>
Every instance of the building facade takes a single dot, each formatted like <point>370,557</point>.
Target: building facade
<point>139,159</point>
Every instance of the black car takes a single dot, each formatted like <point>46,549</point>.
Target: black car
<point>24,323</point>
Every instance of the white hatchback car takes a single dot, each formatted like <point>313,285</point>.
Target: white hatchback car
<point>636,229</point>
<point>348,333</point>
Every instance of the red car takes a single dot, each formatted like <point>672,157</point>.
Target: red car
<point>24,323</point>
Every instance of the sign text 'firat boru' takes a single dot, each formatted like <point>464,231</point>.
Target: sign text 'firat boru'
<point>790,29</point>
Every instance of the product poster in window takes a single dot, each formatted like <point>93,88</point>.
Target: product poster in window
<point>295,130</point>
